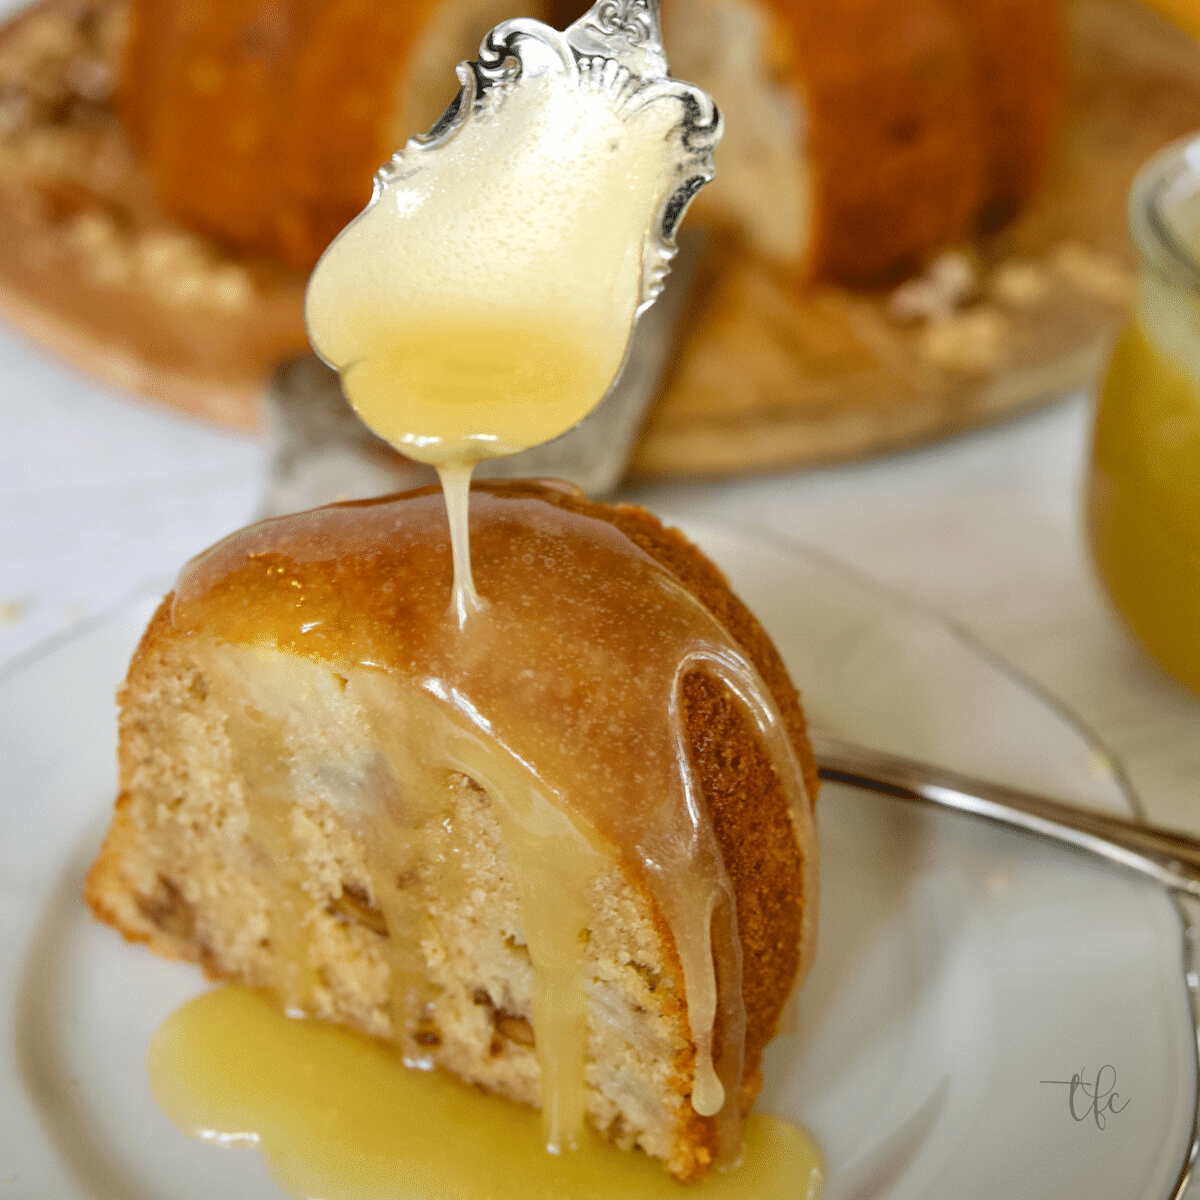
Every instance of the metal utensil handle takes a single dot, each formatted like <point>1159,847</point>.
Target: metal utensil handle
<point>1169,856</point>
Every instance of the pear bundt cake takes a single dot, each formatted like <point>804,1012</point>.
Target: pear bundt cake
<point>861,137</point>
<point>566,851</point>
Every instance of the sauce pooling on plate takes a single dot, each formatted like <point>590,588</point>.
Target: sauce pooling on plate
<point>336,1115</point>
<point>563,701</point>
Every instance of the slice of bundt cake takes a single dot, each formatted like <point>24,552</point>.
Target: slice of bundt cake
<point>567,853</point>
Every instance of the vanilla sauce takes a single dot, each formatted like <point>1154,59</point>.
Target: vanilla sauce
<point>336,1116</point>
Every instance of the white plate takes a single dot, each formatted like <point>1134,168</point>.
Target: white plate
<point>960,967</point>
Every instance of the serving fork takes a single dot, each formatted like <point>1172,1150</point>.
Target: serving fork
<point>1168,856</point>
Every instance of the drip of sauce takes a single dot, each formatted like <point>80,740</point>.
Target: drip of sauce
<point>561,700</point>
<point>1144,486</point>
<point>456,489</point>
<point>336,1115</point>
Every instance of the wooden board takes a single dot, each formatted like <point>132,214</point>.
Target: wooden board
<point>768,376</point>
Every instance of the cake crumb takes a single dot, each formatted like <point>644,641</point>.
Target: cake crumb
<point>95,237</point>
<point>179,268</point>
<point>11,611</point>
<point>58,67</point>
<point>1020,283</point>
<point>948,281</point>
<point>1098,274</point>
<point>969,341</point>
<point>90,78</point>
<point>175,267</point>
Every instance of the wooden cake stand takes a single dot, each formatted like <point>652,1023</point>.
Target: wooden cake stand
<point>766,375</point>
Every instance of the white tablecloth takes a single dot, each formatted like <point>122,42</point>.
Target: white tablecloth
<point>100,493</point>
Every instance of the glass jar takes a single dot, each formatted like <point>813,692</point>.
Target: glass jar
<point>1144,488</point>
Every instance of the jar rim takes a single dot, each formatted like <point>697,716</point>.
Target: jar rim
<point>1167,181</point>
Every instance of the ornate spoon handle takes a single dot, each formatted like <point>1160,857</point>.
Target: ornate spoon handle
<point>1168,856</point>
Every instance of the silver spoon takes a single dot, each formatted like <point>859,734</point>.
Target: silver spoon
<point>1168,856</point>
<point>615,51</point>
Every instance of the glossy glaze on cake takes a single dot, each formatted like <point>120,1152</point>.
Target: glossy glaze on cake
<point>610,753</point>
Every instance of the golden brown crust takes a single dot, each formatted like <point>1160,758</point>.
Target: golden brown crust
<point>104,880</point>
<point>339,128</point>
<point>670,549</point>
<point>263,125</point>
<point>894,135</point>
<point>1021,60</point>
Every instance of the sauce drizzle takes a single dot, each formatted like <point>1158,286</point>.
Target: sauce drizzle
<point>562,701</point>
<point>336,1115</point>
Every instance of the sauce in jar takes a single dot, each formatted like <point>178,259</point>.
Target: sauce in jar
<point>1144,490</point>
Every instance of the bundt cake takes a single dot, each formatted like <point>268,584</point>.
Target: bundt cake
<point>888,129</point>
<point>861,137</point>
<point>570,858</point>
